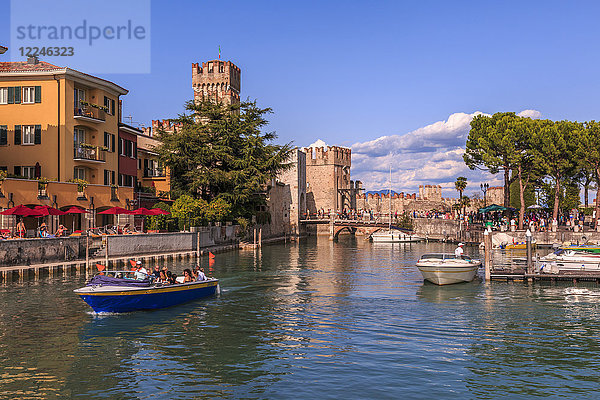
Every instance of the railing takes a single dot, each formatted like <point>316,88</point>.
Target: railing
<point>154,173</point>
<point>90,112</point>
<point>89,153</point>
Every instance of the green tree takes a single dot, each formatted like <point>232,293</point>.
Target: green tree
<point>491,146</point>
<point>221,152</point>
<point>556,143</point>
<point>460,185</point>
<point>588,152</point>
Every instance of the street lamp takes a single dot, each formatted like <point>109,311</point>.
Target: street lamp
<point>484,188</point>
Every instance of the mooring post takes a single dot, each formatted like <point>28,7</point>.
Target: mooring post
<point>198,244</point>
<point>487,257</point>
<point>87,250</point>
<point>331,226</point>
<point>106,252</point>
<point>254,242</point>
<point>260,237</point>
<point>528,242</point>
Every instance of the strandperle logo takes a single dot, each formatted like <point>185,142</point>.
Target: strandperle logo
<point>111,38</point>
<point>84,31</point>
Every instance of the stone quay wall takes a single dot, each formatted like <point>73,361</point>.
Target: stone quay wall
<point>55,250</point>
<point>38,251</point>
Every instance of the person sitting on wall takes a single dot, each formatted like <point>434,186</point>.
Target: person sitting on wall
<point>21,230</point>
<point>60,231</point>
<point>43,230</point>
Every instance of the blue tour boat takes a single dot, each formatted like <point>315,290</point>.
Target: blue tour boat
<point>113,292</point>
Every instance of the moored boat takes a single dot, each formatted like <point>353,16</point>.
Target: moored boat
<point>113,292</point>
<point>569,260</point>
<point>445,269</point>
<point>394,236</point>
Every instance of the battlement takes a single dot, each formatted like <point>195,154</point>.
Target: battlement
<point>166,125</point>
<point>332,155</point>
<point>217,80</point>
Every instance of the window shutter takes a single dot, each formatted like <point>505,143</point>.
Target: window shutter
<point>3,135</point>
<point>17,135</point>
<point>112,174</point>
<point>37,139</point>
<point>145,167</point>
<point>112,107</point>
<point>112,148</point>
<point>135,150</point>
<point>17,94</point>
<point>11,95</point>
<point>120,146</point>
<point>17,171</point>
<point>38,94</point>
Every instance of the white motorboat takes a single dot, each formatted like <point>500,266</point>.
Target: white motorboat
<point>445,269</point>
<point>569,260</point>
<point>394,236</point>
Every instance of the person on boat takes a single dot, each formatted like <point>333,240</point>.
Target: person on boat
<point>141,272</point>
<point>187,275</point>
<point>458,252</point>
<point>163,277</point>
<point>156,272</point>
<point>200,274</point>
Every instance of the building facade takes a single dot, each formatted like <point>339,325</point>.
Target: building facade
<point>59,125</point>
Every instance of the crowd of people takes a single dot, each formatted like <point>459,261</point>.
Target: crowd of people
<point>166,277</point>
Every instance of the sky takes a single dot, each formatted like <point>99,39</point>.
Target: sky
<point>397,81</point>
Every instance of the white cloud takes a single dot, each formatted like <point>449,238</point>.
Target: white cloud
<point>318,143</point>
<point>535,114</point>
<point>431,155</point>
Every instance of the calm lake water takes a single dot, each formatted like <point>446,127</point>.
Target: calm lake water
<point>313,319</point>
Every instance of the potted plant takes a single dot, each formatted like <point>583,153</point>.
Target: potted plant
<point>42,185</point>
<point>81,185</point>
<point>113,192</point>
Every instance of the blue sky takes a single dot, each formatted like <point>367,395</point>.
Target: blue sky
<point>349,72</point>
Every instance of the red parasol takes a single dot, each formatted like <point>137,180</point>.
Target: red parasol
<point>22,211</point>
<point>143,211</point>
<point>47,210</point>
<point>115,211</point>
<point>159,211</point>
<point>76,210</point>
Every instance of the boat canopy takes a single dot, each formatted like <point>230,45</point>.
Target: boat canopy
<point>105,280</point>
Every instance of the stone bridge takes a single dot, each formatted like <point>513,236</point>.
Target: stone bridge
<point>336,226</point>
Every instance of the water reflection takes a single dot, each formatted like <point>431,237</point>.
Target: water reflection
<point>309,319</point>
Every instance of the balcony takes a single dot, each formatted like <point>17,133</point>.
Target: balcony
<point>89,114</point>
<point>154,173</point>
<point>87,153</point>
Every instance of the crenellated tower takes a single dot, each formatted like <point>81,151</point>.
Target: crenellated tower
<point>218,81</point>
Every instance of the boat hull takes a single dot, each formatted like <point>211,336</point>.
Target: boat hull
<point>119,300</point>
<point>446,275</point>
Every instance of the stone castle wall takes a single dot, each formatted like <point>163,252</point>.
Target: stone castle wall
<point>218,81</point>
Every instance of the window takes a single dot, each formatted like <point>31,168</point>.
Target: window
<point>79,173</point>
<point>107,141</point>
<point>139,163</point>
<point>3,95</point>
<point>110,105</point>
<point>210,67</point>
<point>28,134</point>
<point>28,172</point>
<point>106,177</point>
<point>3,135</point>
<point>78,136</point>
<point>79,96</point>
<point>28,95</point>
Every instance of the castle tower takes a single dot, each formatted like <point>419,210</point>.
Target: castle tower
<point>218,81</point>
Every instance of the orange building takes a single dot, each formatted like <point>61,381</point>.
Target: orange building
<point>60,125</point>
